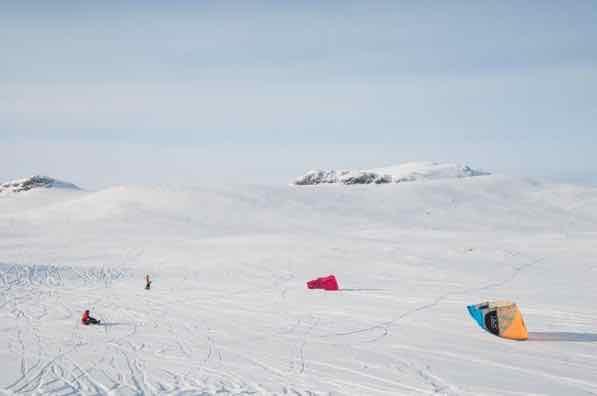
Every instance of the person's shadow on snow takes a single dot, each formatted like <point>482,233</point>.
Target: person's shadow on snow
<point>562,336</point>
<point>110,324</point>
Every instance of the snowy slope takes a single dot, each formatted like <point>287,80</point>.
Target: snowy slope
<point>409,171</point>
<point>229,313</point>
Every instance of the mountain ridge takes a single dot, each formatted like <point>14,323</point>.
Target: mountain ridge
<point>405,172</point>
<point>34,182</point>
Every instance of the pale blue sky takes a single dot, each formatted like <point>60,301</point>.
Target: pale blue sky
<point>117,92</point>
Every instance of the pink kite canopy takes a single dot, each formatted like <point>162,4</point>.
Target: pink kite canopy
<point>326,283</point>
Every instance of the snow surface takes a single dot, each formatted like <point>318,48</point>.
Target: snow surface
<point>229,312</point>
<point>409,171</point>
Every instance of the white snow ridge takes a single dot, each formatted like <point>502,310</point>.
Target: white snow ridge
<point>36,181</point>
<point>410,171</point>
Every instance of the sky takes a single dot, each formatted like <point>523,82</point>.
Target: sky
<point>117,92</point>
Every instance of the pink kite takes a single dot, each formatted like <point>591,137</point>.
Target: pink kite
<point>326,283</point>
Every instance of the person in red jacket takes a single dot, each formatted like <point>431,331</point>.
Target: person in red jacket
<point>86,319</point>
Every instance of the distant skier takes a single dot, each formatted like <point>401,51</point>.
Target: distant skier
<point>87,320</point>
<point>147,282</point>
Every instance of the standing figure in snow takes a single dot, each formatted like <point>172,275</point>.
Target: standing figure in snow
<point>147,282</point>
<point>87,320</point>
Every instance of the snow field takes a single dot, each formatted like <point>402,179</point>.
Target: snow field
<point>229,313</point>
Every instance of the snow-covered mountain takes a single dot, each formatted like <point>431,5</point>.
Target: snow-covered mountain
<point>410,171</point>
<point>36,181</point>
<point>342,176</point>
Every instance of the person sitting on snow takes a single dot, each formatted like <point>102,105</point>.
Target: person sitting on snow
<point>87,320</point>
